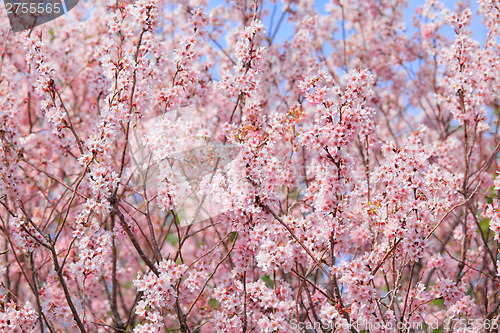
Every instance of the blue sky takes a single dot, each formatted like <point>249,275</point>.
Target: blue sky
<point>286,29</point>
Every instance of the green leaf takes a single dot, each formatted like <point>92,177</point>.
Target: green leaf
<point>267,280</point>
<point>212,302</point>
<point>172,239</point>
<point>492,195</point>
<point>485,226</point>
<point>232,236</point>
<point>127,285</point>
<point>438,302</point>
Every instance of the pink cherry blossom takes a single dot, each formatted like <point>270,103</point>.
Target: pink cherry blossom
<point>251,166</point>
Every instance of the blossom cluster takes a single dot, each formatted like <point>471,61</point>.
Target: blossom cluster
<point>252,166</point>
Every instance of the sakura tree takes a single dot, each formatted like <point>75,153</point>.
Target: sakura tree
<point>352,158</point>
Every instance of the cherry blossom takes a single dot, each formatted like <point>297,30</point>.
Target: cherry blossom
<point>251,166</point>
